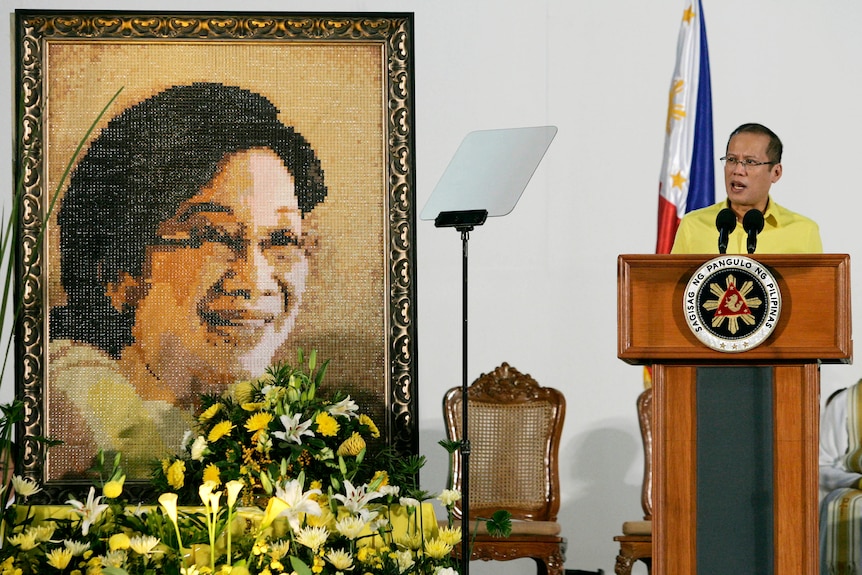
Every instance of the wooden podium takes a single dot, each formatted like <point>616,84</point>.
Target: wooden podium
<point>735,437</point>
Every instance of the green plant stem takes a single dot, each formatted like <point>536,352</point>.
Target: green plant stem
<point>10,235</point>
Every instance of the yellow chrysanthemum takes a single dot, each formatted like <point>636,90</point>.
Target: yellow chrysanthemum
<point>252,406</point>
<point>210,412</point>
<point>340,559</point>
<point>437,548</point>
<point>450,535</point>
<point>176,474</point>
<point>326,424</point>
<point>219,430</point>
<point>258,422</point>
<point>365,420</point>
<point>25,541</point>
<point>380,477</point>
<point>211,473</point>
<point>59,558</point>
<point>243,392</point>
<point>352,446</point>
<point>312,537</point>
<point>325,519</point>
<point>44,532</point>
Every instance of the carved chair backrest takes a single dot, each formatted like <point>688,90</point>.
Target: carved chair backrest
<point>514,428</point>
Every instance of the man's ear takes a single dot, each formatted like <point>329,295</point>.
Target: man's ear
<point>125,293</point>
<point>777,170</point>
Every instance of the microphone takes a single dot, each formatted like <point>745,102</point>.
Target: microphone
<point>726,223</point>
<point>752,222</point>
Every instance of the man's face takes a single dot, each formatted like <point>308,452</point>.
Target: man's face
<point>748,187</point>
<point>222,291</point>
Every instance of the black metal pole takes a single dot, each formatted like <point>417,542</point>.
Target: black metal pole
<point>463,221</point>
<point>465,438</point>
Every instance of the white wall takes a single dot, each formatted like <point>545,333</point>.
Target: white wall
<point>543,279</point>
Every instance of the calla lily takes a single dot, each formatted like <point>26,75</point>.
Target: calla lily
<point>275,507</point>
<point>214,503</point>
<point>168,502</point>
<point>233,488</point>
<point>205,490</point>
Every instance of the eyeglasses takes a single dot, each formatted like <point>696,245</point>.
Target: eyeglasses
<point>749,163</point>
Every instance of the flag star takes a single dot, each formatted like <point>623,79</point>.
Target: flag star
<point>678,180</point>
<point>688,15</point>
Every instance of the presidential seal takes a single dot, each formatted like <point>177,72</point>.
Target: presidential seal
<point>732,303</point>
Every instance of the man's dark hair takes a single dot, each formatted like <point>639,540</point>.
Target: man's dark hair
<point>773,150</point>
<point>142,166</point>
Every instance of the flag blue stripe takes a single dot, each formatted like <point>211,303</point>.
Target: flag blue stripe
<point>701,190</point>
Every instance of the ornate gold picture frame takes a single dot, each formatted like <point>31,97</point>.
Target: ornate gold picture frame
<point>118,327</point>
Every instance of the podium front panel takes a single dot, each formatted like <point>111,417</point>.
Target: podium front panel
<point>759,422</point>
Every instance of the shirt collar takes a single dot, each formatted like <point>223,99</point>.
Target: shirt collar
<point>771,215</point>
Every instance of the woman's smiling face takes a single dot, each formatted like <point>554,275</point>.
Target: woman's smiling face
<point>223,287</point>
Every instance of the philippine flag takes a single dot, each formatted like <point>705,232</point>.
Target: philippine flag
<point>687,171</point>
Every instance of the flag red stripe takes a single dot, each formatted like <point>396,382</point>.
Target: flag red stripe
<point>667,225</point>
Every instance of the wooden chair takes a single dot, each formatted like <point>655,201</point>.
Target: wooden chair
<point>636,540</point>
<point>514,428</point>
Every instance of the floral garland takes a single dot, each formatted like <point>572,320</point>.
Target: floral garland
<point>282,483</point>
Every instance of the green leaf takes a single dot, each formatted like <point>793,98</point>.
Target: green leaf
<point>318,378</point>
<point>500,524</point>
<point>298,566</point>
<point>449,445</point>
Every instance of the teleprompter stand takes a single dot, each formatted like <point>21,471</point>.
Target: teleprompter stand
<point>486,177</point>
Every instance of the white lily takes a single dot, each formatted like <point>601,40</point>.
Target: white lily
<point>294,430</point>
<point>356,498</point>
<point>298,501</point>
<point>346,407</point>
<point>90,511</point>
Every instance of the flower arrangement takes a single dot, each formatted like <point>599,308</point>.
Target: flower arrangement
<point>281,481</point>
<point>266,431</point>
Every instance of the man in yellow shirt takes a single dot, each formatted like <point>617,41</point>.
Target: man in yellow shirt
<point>752,163</point>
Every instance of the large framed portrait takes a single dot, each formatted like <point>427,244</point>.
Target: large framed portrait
<point>247,192</point>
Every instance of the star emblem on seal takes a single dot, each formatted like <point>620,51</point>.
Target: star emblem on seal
<point>732,304</point>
